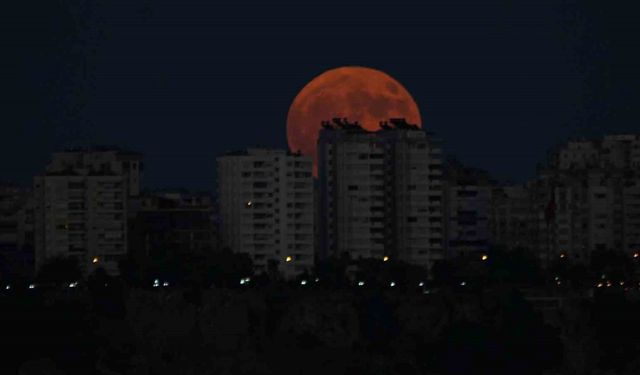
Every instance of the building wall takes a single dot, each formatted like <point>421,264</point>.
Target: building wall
<point>81,205</point>
<point>266,207</point>
<point>380,193</point>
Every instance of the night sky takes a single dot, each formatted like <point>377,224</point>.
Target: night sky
<point>182,81</point>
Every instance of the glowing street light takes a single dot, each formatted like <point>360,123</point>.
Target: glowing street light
<point>249,204</point>
<point>562,255</point>
<point>385,259</point>
<point>303,282</point>
<point>360,283</point>
<point>636,255</point>
<point>392,284</point>
<point>288,258</point>
<point>484,257</point>
<point>95,260</point>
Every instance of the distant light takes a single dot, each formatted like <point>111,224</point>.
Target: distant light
<point>241,281</point>
<point>385,259</point>
<point>463,283</point>
<point>635,255</point>
<point>603,276</point>
<point>95,260</point>
<point>360,283</point>
<point>8,287</point>
<point>249,203</point>
<point>426,291</point>
<point>166,283</point>
<point>32,286</point>
<point>600,285</point>
<point>73,285</point>
<point>557,278</point>
<point>156,283</point>
<point>562,255</point>
<point>621,283</point>
<point>317,279</point>
<point>484,257</point>
<point>392,284</point>
<point>421,283</point>
<point>559,283</point>
<point>288,258</point>
<point>303,282</point>
<point>608,284</point>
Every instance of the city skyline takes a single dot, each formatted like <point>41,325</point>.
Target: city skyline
<point>111,74</point>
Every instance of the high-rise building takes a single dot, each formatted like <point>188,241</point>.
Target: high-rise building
<point>586,198</point>
<point>511,219</point>
<point>16,231</point>
<point>172,221</point>
<point>380,192</point>
<point>467,200</point>
<point>81,205</point>
<point>266,208</point>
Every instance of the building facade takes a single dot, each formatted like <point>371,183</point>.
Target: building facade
<point>467,197</point>
<point>266,202</point>
<point>380,193</point>
<point>81,206</point>
<point>585,199</point>
<point>172,221</point>
<point>16,231</point>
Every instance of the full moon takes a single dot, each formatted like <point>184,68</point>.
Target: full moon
<point>360,94</point>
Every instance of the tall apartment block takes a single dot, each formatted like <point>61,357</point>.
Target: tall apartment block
<point>172,221</point>
<point>81,206</point>
<point>16,231</point>
<point>266,203</point>
<point>380,192</point>
<point>467,197</point>
<point>586,198</point>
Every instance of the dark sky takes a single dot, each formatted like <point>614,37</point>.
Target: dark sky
<point>183,80</point>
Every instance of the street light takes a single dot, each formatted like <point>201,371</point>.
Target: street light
<point>385,259</point>
<point>484,257</point>
<point>288,258</point>
<point>95,260</point>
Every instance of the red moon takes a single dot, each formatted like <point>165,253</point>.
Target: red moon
<point>360,94</point>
